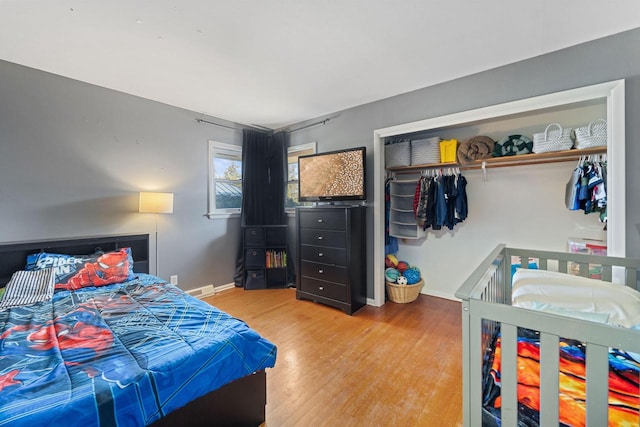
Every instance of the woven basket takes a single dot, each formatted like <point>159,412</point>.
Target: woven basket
<point>404,293</point>
<point>592,135</point>
<point>425,151</point>
<point>397,154</point>
<point>552,139</point>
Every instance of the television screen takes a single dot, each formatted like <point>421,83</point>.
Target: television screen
<point>332,176</point>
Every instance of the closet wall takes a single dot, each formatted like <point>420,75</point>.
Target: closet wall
<point>566,69</point>
<point>522,206</point>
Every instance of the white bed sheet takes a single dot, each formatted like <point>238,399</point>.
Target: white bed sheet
<point>565,293</point>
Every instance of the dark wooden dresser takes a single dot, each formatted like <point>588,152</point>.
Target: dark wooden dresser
<point>332,256</point>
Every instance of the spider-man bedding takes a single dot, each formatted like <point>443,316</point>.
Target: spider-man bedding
<point>119,354</point>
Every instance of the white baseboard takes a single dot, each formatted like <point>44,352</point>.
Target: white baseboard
<point>202,292</point>
<point>372,302</point>
<point>208,290</point>
<point>439,295</point>
<point>228,286</point>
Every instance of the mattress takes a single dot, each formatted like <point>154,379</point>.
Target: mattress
<point>122,354</point>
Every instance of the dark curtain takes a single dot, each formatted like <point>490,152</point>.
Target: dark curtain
<point>264,178</point>
<point>264,182</point>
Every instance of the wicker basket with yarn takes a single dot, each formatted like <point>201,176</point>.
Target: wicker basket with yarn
<point>404,293</point>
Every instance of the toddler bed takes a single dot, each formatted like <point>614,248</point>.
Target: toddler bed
<point>554,349</point>
<point>86,341</point>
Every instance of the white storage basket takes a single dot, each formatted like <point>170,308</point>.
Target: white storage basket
<point>425,151</point>
<point>592,135</point>
<point>552,139</point>
<point>397,154</point>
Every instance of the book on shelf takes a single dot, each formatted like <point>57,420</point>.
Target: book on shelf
<point>276,259</point>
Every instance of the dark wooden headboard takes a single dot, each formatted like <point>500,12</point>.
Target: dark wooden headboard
<point>13,255</point>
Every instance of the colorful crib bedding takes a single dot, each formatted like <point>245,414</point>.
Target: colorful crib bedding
<point>120,354</point>
<point>624,378</point>
<point>582,298</point>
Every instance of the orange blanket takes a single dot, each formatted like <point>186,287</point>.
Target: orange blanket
<point>624,380</point>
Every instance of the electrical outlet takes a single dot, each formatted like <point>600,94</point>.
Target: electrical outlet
<point>173,279</point>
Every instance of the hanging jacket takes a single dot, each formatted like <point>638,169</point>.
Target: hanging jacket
<point>451,195</point>
<point>462,209</point>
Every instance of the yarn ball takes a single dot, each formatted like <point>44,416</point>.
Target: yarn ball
<point>402,266</point>
<point>412,276</point>
<point>402,280</point>
<point>390,261</point>
<point>391,275</point>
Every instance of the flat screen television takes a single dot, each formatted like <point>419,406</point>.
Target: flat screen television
<point>332,176</point>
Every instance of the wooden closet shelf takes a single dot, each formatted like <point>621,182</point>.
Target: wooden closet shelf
<point>497,162</point>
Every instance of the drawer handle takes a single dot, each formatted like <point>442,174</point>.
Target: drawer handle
<point>320,253</point>
<point>254,275</point>
<point>320,237</point>
<point>321,271</point>
<point>320,220</point>
<point>254,253</point>
<point>253,232</point>
<point>321,288</point>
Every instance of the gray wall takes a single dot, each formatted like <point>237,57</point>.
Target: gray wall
<point>73,156</point>
<point>611,58</point>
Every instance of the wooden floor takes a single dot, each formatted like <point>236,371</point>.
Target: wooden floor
<point>397,365</point>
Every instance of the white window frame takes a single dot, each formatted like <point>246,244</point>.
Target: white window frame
<point>214,212</point>
<point>292,150</point>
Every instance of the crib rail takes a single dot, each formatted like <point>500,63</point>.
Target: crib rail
<point>486,297</point>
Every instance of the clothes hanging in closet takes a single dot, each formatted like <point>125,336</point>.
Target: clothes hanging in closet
<point>441,201</point>
<point>587,187</point>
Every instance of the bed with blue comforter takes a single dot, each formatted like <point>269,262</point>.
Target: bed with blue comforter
<point>121,354</point>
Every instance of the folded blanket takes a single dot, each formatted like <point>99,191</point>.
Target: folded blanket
<point>476,148</point>
<point>513,145</point>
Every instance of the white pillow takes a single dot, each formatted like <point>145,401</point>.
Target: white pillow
<point>28,287</point>
<point>574,293</point>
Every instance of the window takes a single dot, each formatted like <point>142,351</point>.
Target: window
<point>225,178</point>
<point>292,177</point>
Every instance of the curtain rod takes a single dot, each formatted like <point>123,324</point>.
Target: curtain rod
<point>262,128</point>
<point>321,122</point>
<point>238,128</point>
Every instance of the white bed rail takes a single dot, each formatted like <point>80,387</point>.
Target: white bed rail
<point>486,305</point>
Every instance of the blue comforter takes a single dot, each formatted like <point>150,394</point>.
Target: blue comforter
<point>122,354</point>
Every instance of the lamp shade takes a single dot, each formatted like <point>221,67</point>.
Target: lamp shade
<point>156,202</point>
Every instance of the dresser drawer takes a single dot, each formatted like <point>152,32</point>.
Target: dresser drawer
<point>331,273</point>
<point>328,219</point>
<point>324,289</point>
<point>254,258</point>
<point>321,237</point>
<point>323,255</point>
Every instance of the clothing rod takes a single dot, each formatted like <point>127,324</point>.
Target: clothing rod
<point>523,163</point>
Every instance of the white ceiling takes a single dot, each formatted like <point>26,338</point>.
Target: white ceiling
<point>277,62</point>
